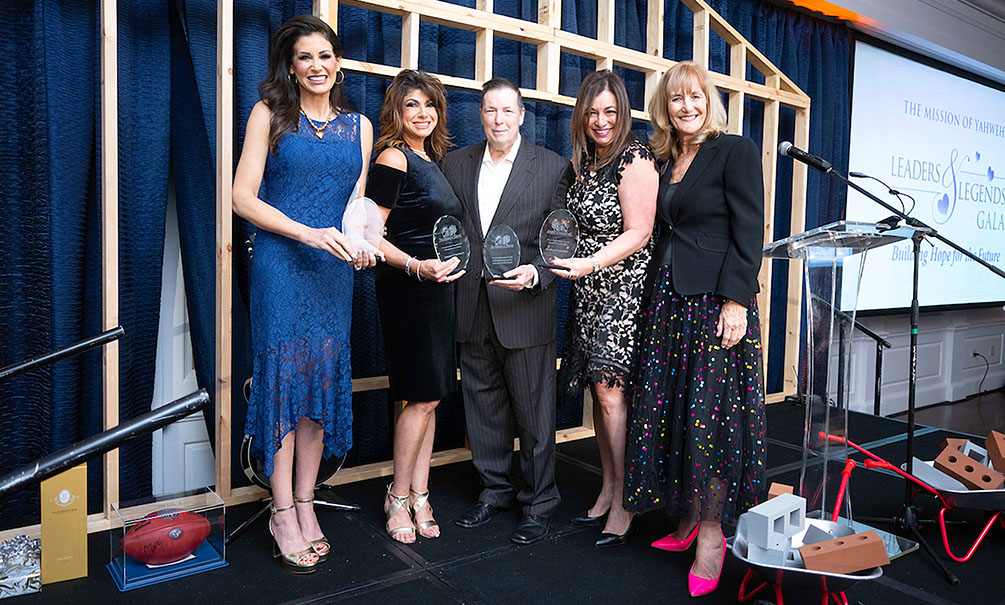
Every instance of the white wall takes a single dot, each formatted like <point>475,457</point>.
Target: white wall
<point>970,35</point>
<point>947,369</point>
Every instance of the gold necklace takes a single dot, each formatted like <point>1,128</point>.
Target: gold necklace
<point>319,132</point>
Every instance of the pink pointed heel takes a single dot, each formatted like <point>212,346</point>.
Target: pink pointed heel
<point>699,587</point>
<point>669,542</point>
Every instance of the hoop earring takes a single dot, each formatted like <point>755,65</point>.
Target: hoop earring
<point>339,80</point>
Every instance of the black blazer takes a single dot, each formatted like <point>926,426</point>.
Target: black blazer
<point>537,185</point>
<point>714,238</point>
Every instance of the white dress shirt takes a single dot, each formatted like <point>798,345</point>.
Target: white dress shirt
<point>491,180</point>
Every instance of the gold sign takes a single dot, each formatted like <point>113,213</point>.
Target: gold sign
<point>64,526</point>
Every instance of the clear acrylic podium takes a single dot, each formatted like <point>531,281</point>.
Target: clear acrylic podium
<point>833,257</point>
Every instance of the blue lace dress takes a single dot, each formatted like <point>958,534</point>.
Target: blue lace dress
<point>301,297</point>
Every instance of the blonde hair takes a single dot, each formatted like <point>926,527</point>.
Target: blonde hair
<point>682,78</point>
<point>593,85</point>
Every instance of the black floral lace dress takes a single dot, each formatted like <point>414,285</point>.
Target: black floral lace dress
<point>604,306</point>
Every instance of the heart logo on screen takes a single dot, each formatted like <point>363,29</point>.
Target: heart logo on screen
<point>944,204</point>
<point>991,174</point>
<point>977,154</point>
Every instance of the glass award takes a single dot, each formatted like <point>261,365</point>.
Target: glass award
<point>559,237</point>
<point>363,225</point>
<point>450,241</point>
<point>501,252</point>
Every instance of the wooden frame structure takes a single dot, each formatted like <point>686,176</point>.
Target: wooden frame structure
<point>551,41</point>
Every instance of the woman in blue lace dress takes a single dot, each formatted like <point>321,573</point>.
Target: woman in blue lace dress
<point>303,155</point>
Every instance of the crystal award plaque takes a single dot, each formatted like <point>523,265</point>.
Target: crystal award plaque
<point>559,237</point>
<point>450,241</point>
<point>501,252</point>
<point>363,225</point>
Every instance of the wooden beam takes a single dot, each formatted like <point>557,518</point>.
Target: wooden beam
<point>110,240</point>
<point>483,55</point>
<point>769,167</point>
<point>737,71</point>
<point>605,30</point>
<point>797,224</point>
<point>654,29</point>
<point>484,43</point>
<point>410,41</point>
<point>327,11</point>
<point>224,238</point>
<point>699,53</point>
<point>549,54</point>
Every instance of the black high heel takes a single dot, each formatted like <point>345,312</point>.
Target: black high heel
<point>607,539</point>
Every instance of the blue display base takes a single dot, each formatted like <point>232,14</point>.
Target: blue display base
<point>128,573</point>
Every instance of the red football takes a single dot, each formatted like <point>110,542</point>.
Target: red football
<point>165,536</point>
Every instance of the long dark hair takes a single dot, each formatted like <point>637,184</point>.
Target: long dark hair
<point>392,124</point>
<point>282,94</point>
<point>593,85</point>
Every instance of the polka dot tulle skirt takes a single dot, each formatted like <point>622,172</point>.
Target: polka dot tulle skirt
<point>696,426</point>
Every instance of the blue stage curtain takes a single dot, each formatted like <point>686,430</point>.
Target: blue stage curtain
<point>50,264</point>
<point>50,245</point>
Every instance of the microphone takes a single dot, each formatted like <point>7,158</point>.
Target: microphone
<point>786,148</point>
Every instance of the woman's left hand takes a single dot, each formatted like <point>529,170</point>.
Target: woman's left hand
<point>575,267</point>
<point>365,259</point>
<point>732,323</point>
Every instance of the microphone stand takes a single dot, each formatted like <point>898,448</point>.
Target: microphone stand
<point>908,519</point>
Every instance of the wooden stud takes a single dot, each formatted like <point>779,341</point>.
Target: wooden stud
<point>654,29</point>
<point>483,55</point>
<point>797,224</point>
<point>737,71</point>
<point>699,53</point>
<point>110,240</point>
<point>327,11</point>
<point>549,54</point>
<point>224,239</point>
<point>410,41</point>
<point>605,30</point>
<point>769,166</point>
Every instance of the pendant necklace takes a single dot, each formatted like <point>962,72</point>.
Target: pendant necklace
<point>319,132</point>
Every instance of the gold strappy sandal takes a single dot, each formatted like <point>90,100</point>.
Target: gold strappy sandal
<point>303,562</point>
<point>422,500</point>
<point>321,546</point>
<point>393,504</point>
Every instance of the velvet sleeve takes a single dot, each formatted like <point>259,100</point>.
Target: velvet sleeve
<point>383,185</point>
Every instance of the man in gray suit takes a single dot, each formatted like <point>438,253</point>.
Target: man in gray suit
<point>506,327</point>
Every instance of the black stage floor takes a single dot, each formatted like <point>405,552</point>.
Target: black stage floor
<point>482,566</point>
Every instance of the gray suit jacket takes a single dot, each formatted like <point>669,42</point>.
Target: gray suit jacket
<point>537,185</point>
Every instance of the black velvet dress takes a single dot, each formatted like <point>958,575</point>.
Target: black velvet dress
<point>416,318</point>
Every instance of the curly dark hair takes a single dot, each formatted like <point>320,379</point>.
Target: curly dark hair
<point>278,91</point>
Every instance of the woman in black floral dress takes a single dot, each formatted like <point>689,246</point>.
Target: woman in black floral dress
<point>614,200</point>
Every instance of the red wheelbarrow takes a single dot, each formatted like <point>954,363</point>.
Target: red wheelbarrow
<point>991,501</point>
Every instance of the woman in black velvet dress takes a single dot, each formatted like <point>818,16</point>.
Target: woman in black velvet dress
<point>415,295</point>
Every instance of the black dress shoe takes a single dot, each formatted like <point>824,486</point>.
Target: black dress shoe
<point>607,539</point>
<point>477,515</point>
<point>584,518</point>
<point>531,529</point>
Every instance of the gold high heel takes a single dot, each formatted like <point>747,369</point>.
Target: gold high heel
<point>391,507</point>
<point>321,546</point>
<point>303,562</point>
<point>421,500</point>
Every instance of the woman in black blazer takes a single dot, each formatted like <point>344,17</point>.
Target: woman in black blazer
<point>696,435</point>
